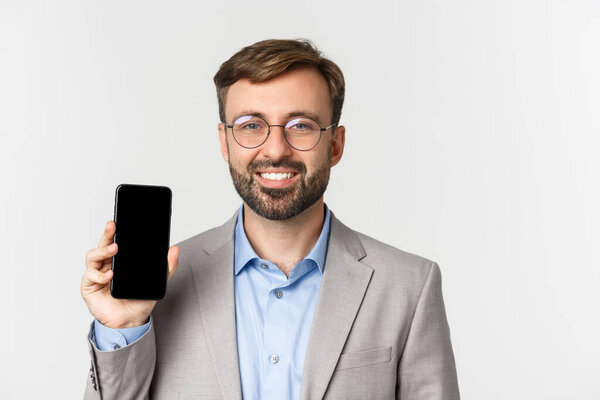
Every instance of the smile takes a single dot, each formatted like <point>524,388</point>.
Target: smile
<point>276,176</point>
<point>276,180</point>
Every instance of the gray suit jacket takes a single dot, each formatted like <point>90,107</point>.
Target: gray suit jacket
<point>379,330</point>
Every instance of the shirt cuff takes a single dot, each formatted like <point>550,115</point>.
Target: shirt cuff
<point>109,339</point>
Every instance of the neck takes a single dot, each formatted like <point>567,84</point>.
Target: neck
<point>285,242</point>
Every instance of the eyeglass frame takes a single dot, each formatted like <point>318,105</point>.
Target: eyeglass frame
<point>321,130</point>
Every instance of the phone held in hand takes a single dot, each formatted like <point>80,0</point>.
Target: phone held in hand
<point>143,224</point>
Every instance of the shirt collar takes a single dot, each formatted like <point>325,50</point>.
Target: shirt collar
<point>244,253</point>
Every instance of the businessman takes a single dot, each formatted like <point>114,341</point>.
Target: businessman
<point>283,301</point>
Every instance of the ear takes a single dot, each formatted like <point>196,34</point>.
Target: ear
<point>337,146</point>
<point>223,142</point>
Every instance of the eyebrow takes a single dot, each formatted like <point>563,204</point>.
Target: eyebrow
<point>298,113</point>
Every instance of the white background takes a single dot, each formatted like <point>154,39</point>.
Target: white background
<point>472,139</point>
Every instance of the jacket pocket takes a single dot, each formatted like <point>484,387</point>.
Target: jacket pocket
<point>362,358</point>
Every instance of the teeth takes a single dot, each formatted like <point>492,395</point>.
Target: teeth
<point>276,176</point>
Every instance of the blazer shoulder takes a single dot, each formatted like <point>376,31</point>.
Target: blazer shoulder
<point>197,241</point>
<point>391,261</point>
<point>193,255</point>
<point>205,242</point>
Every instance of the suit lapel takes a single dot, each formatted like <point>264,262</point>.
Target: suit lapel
<point>214,284</point>
<point>345,281</point>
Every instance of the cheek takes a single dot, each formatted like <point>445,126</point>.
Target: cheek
<point>319,161</point>
<point>240,159</point>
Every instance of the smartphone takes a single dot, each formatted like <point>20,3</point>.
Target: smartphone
<point>143,220</point>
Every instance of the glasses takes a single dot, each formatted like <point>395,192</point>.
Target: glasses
<point>301,133</point>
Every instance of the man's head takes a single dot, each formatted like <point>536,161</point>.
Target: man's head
<point>270,58</point>
<point>280,81</point>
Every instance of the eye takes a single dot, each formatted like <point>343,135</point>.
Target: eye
<point>250,126</point>
<point>302,125</point>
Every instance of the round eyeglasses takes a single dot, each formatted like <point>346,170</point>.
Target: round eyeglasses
<point>302,133</point>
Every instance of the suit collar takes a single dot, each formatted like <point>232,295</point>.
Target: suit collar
<point>345,281</point>
<point>344,238</point>
<point>244,253</point>
<point>220,236</point>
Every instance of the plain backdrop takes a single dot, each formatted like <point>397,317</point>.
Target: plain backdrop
<point>472,139</point>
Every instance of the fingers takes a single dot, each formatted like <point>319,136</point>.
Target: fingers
<point>97,260</point>
<point>108,235</point>
<point>172,258</point>
<point>95,257</point>
<point>93,276</point>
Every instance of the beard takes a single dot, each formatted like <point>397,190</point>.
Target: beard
<point>280,203</point>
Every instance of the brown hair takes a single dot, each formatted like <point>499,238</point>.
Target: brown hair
<point>267,59</point>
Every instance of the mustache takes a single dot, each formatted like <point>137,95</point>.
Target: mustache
<point>298,166</point>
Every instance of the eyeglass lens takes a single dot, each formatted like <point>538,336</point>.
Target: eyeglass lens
<point>301,133</point>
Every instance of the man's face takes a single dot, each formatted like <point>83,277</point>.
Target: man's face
<point>301,91</point>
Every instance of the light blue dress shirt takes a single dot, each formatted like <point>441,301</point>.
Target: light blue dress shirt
<point>273,317</point>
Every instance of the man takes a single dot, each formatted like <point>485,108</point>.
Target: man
<point>282,301</point>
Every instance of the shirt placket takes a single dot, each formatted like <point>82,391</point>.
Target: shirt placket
<point>276,336</point>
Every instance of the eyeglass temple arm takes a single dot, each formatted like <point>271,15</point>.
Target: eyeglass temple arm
<point>324,129</point>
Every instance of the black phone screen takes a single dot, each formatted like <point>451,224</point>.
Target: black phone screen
<point>143,222</point>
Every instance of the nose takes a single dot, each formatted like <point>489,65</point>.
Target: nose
<point>276,147</point>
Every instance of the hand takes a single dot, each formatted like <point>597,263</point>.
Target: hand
<point>95,286</point>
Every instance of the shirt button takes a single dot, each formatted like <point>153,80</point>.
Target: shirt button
<point>264,266</point>
<point>274,359</point>
<point>278,294</point>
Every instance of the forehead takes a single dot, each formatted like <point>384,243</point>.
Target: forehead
<point>297,90</point>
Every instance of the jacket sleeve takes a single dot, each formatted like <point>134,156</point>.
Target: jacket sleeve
<point>125,373</point>
<point>426,370</point>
